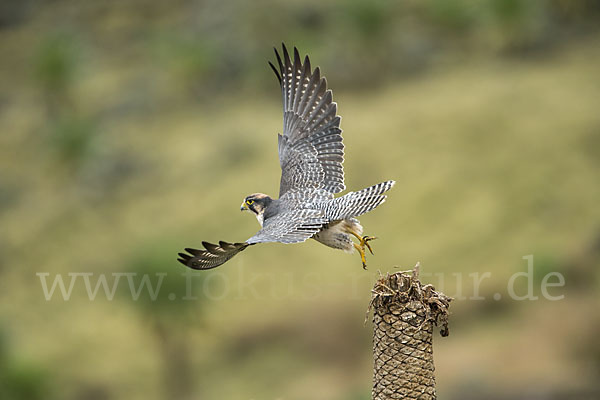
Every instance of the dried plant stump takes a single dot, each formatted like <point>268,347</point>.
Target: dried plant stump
<point>404,313</point>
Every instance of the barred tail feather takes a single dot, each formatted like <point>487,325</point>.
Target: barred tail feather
<point>355,204</point>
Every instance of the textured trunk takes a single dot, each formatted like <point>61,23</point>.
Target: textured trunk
<point>404,314</point>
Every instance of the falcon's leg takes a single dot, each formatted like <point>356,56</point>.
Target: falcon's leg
<point>364,241</point>
<point>361,250</point>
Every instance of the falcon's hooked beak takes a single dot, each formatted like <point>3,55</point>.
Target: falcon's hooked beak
<point>244,207</point>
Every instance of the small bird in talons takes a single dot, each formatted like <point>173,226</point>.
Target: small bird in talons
<point>311,154</point>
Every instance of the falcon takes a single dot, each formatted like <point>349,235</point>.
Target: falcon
<point>311,153</point>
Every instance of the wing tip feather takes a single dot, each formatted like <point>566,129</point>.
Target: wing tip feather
<point>286,55</point>
<point>276,72</point>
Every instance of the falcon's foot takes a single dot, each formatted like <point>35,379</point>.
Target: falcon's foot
<point>364,242</point>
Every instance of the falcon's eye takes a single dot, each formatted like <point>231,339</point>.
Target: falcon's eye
<point>249,202</point>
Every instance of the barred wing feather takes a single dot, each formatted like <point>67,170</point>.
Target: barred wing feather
<point>211,256</point>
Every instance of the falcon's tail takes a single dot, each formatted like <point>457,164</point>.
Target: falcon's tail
<point>355,204</point>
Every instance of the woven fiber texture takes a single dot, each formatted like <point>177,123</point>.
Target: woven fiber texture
<point>404,313</point>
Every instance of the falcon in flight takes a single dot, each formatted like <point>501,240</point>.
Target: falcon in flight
<point>311,154</point>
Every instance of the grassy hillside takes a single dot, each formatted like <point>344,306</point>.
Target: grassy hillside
<point>108,169</point>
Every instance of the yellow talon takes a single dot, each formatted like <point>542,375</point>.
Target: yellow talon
<point>364,241</point>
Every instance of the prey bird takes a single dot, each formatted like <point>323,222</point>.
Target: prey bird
<point>311,154</point>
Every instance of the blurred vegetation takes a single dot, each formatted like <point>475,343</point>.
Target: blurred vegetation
<point>19,379</point>
<point>168,314</point>
<point>132,129</point>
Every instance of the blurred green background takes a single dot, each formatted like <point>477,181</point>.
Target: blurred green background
<point>131,129</point>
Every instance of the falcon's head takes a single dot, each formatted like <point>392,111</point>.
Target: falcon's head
<point>257,203</point>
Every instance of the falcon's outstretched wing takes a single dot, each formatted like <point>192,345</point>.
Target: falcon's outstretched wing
<point>292,226</point>
<point>311,151</point>
<point>213,255</point>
